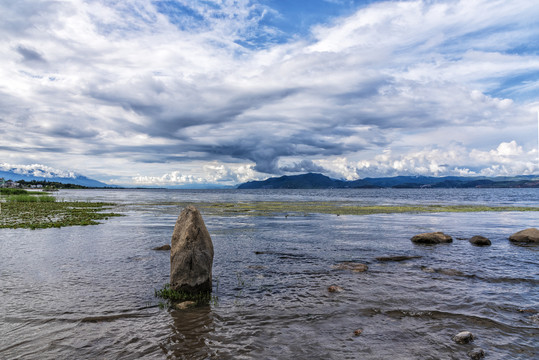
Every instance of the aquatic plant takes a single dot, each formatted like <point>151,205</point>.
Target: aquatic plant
<point>303,208</point>
<point>171,296</point>
<point>39,214</point>
<point>11,191</point>
<point>30,198</point>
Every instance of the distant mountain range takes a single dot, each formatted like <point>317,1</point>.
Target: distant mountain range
<point>39,176</point>
<point>319,181</point>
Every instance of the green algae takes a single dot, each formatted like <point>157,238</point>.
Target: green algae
<point>171,297</point>
<point>51,214</point>
<point>300,208</point>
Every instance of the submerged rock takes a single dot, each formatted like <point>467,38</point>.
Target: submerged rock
<point>335,288</point>
<point>184,305</point>
<point>530,235</point>
<point>450,272</point>
<point>354,267</point>
<point>463,337</point>
<point>479,240</point>
<point>164,247</point>
<point>397,258</point>
<point>476,354</point>
<point>428,269</point>
<point>432,238</point>
<point>191,256</point>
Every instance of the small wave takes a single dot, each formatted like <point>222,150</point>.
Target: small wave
<point>465,318</point>
<point>105,318</point>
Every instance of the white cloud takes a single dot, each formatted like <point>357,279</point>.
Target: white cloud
<point>203,92</point>
<point>38,170</point>
<point>212,173</point>
<point>508,158</point>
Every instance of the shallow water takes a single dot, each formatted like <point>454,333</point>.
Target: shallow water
<point>88,292</point>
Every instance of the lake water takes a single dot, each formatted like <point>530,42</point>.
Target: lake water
<point>88,292</point>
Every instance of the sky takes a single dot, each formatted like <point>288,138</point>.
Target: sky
<point>185,92</point>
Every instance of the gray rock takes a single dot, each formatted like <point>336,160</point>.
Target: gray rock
<point>530,235</point>
<point>476,354</point>
<point>479,240</point>
<point>432,238</point>
<point>164,247</point>
<point>463,337</point>
<point>352,266</point>
<point>191,256</point>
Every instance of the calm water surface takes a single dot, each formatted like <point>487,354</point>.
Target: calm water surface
<point>88,292</point>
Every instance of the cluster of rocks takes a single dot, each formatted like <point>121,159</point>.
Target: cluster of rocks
<point>466,337</point>
<point>530,235</point>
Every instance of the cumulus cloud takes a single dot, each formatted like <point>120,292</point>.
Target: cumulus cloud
<point>38,170</point>
<point>212,173</point>
<point>508,158</point>
<point>163,85</point>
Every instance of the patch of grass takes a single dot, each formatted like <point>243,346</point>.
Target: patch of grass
<point>171,296</point>
<point>49,214</point>
<point>290,208</point>
<point>30,198</point>
<point>10,191</point>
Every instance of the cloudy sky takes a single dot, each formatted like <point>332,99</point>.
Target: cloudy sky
<point>175,92</point>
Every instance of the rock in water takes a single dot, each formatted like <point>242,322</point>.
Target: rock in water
<point>479,240</point>
<point>463,337</point>
<point>432,238</point>
<point>191,256</point>
<point>335,288</point>
<point>160,248</point>
<point>354,267</point>
<point>476,354</point>
<point>530,235</point>
<point>185,305</point>
<point>396,258</point>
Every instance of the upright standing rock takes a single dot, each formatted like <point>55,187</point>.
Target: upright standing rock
<point>191,255</point>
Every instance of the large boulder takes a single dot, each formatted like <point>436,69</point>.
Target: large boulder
<point>432,238</point>
<point>191,255</point>
<point>530,235</point>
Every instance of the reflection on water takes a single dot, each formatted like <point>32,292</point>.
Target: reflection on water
<point>88,292</point>
<point>189,334</point>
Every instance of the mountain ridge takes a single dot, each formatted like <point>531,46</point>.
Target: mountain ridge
<point>75,179</point>
<point>320,181</point>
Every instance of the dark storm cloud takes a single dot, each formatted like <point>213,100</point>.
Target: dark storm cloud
<point>30,55</point>
<point>304,166</point>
